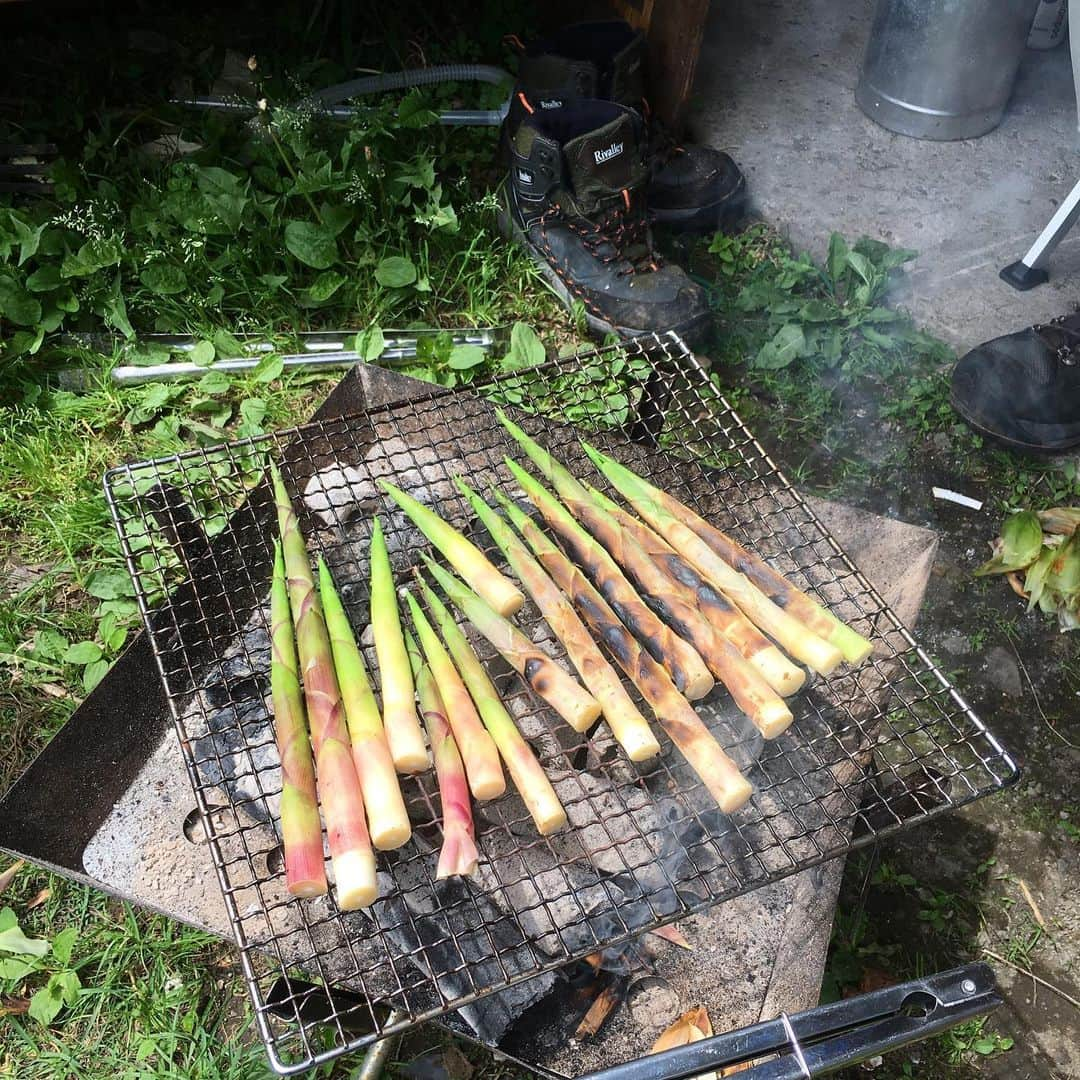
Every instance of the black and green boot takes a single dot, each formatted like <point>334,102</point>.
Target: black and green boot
<point>690,187</point>
<point>575,197</point>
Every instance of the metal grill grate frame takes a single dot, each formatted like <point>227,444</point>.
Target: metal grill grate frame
<point>871,751</point>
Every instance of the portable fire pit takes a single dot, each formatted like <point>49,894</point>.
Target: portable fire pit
<point>871,750</point>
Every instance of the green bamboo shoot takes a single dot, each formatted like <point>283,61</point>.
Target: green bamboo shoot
<point>629,727</point>
<point>792,636</point>
<point>529,778</point>
<point>719,774</point>
<point>400,722</point>
<point>478,750</point>
<point>388,821</point>
<point>461,553</point>
<point>458,856</point>
<point>301,830</point>
<point>338,786</point>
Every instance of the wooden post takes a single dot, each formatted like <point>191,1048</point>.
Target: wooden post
<point>673,29</point>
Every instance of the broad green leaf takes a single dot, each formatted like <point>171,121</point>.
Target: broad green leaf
<point>110,583</point>
<point>29,237</point>
<point>252,411</point>
<point>861,265</point>
<point>16,304</point>
<point>44,279</point>
<point>875,337</point>
<point>788,342</point>
<point>164,279</point>
<point>115,310</point>
<point>313,244</point>
<point>83,652</point>
<point>269,368</point>
<point>836,260</point>
<point>370,344</point>
<point>526,349</point>
<point>93,256</point>
<point>325,285</point>
<point>463,357</point>
<point>62,989</point>
<point>202,353</point>
<point>15,968</point>
<point>395,272</point>
<point>336,218</point>
<point>413,112</point>
<point>64,943</point>
<point>49,645</point>
<point>984,1046</point>
<point>152,400</point>
<point>93,673</point>
<point>214,383</point>
<point>13,940</point>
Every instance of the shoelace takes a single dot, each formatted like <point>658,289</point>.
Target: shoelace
<point>1067,352</point>
<point>621,229</point>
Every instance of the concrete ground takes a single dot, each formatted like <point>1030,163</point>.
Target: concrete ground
<point>775,88</point>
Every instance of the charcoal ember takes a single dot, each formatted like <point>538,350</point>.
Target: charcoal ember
<point>228,723</point>
<point>613,826</point>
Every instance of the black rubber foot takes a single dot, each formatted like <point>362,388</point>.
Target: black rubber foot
<point>1023,277</point>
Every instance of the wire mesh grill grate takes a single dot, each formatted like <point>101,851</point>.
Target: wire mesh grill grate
<point>871,750</point>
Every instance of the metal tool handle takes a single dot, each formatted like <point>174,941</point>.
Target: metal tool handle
<point>829,1037</point>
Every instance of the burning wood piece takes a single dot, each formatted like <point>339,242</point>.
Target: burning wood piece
<point>604,1004</point>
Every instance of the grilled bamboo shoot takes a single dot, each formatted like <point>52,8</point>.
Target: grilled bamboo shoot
<point>458,856</point>
<point>675,603</point>
<point>478,750</point>
<point>461,553</point>
<point>387,819</point>
<point>351,853</point>
<point>563,693</point>
<point>777,670</point>
<point>629,727</point>
<point>529,778</point>
<point>705,755</point>
<point>301,830</point>
<point>680,658</point>
<point>403,734</point>
<point>793,636</point>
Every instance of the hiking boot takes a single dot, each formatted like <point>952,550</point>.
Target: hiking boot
<point>689,187</point>
<point>575,198</point>
<point>1023,389</point>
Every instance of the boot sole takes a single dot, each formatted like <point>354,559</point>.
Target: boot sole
<point>1047,447</point>
<point>720,215</point>
<point>597,325</point>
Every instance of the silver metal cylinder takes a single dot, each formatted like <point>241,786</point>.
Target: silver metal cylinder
<point>943,69</point>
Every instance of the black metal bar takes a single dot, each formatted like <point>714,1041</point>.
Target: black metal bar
<point>830,1037</point>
